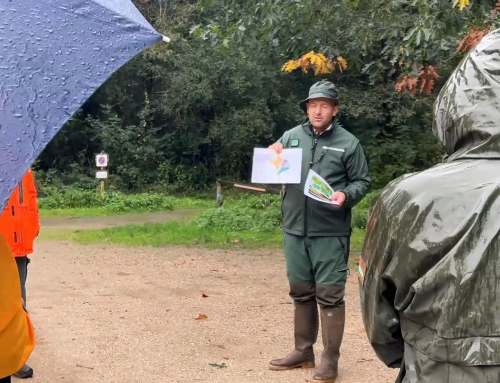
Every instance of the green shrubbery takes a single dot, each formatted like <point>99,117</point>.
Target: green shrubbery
<point>241,212</point>
<point>116,202</point>
<point>244,221</point>
<point>263,213</point>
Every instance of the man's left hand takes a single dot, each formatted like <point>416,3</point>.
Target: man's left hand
<point>338,197</point>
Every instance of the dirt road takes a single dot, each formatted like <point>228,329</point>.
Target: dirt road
<point>115,314</point>
<point>91,223</point>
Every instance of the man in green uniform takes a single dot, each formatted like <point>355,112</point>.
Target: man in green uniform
<point>430,268</point>
<point>317,234</point>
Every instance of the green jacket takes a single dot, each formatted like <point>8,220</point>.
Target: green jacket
<point>336,156</point>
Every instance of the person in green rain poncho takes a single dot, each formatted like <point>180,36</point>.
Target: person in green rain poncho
<point>430,268</point>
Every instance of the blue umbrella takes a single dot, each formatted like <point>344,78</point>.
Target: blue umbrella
<point>54,54</point>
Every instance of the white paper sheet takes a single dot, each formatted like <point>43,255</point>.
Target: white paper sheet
<point>317,188</point>
<point>271,168</point>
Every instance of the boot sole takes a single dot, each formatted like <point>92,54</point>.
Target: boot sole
<point>285,368</point>
<point>324,381</point>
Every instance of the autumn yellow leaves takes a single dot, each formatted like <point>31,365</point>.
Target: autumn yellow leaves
<point>318,61</point>
<point>415,77</point>
<point>321,65</point>
<point>461,4</point>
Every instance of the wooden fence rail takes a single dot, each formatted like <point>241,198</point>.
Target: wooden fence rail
<point>221,184</point>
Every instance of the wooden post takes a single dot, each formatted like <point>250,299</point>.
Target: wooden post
<point>220,200</point>
<point>102,185</point>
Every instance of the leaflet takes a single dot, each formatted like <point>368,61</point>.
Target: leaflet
<point>317,188</point>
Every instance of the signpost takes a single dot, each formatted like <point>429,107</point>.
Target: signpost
<point>101,161</point>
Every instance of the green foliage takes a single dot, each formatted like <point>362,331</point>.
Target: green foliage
<point>216,228</point>
<point>241,212</point>
<point>181,115</point>
<point>263,214</point>
<point>116,202</point>
<point>379,38</point>
<point>253,214</point>
<point>360,212</point>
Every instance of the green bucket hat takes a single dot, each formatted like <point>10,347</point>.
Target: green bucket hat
<point>322,89</point>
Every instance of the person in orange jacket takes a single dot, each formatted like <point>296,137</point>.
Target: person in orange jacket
<point>20,224</point>
<point>17,338</point>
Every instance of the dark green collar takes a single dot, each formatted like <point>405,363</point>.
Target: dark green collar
<point>308,128</point>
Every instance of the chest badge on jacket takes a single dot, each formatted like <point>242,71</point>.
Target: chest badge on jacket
<point>334,149</point>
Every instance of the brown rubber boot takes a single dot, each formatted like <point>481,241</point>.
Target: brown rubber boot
<point>306,333</point>
<point>332,327</point>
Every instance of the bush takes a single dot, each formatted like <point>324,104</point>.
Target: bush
<point>263,213</point>
<point>360,212</point>
<point>113,202</point>
<point>243,212</point>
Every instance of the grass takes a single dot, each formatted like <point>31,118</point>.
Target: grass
<point>182,234</point>
<point>245,222</point>
<point>170,234</point>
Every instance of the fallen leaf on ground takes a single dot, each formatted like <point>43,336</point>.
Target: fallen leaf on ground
<point>180,263</point>
<point>202,317</point>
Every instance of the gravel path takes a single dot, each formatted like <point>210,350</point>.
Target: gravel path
<point>81,223</point>
<point>115,314</point>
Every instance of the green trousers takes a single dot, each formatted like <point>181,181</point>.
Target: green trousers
<point>317,269</point>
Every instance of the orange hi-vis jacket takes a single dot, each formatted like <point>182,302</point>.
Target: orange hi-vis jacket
<point>17,337</point>
<point>20,222</point>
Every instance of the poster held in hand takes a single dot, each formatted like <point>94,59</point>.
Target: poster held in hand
<point>317,188</point>
<point>271,168</point>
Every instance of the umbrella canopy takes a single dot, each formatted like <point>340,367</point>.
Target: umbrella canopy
<point>54,54</point>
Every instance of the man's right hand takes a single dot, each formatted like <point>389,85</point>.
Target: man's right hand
<point>277,147</point>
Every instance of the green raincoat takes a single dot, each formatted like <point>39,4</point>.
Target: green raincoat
<point>430,267</point>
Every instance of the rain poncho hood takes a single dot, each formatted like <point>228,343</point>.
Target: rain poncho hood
<point>467,112</point>
<point>430,265</point>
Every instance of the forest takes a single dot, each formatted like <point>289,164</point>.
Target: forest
<point>184,114</point>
